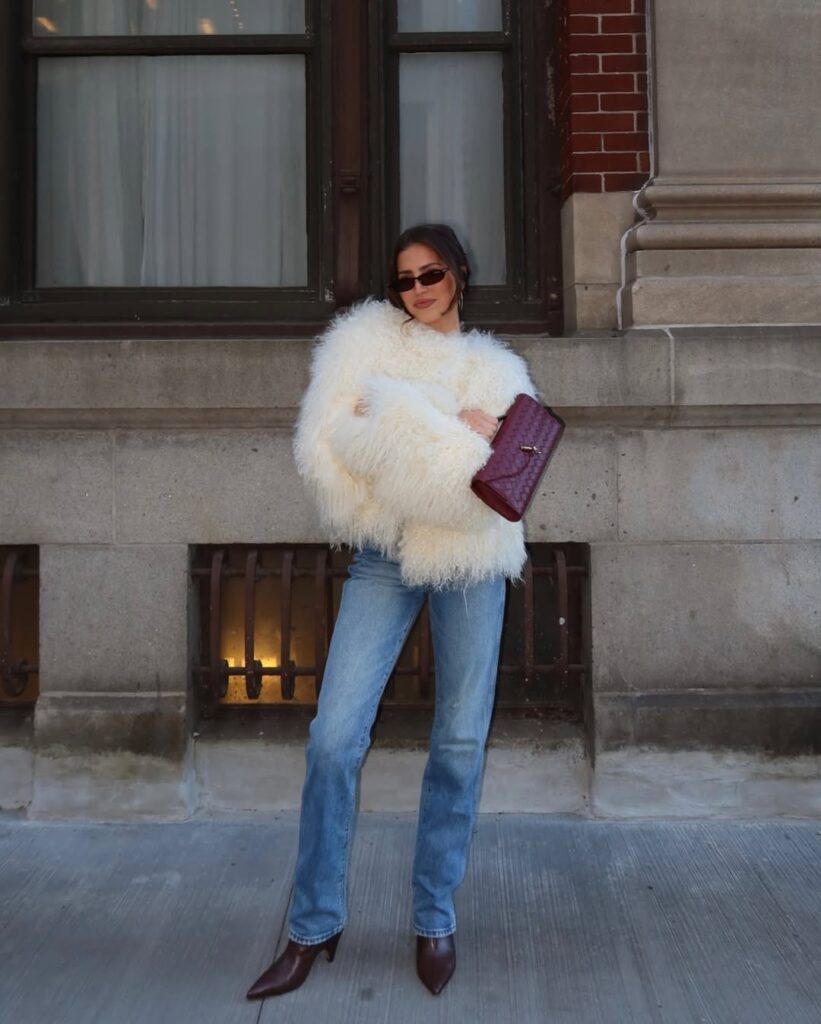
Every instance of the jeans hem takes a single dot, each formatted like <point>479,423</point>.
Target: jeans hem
<point>435,933</point>
<point>316,940</point>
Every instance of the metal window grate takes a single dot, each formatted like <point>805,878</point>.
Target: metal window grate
<point>19,622</point>
<point>266,616</point>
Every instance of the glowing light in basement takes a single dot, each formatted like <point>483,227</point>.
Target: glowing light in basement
<point>206,27</point>
<point>152,4</point>
<point>46,23</point>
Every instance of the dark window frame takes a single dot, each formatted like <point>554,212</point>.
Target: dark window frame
<point>352,171</point>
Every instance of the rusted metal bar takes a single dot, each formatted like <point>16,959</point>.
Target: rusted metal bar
<point>288,681</point>
<point>528,598</point>
<point>424,652</point>
<point>253,668</point>
<point>263,572</point>
<point>560,560</point>
<point>218,666</point>
<point>321,613</point>
<point>14,675</point>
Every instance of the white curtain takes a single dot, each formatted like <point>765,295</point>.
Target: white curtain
<point>170,171</point>
<point>451,163</point>
<point>167,17</point>
<point>449,15</point>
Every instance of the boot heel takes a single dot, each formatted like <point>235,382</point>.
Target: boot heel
<point>330,947</point>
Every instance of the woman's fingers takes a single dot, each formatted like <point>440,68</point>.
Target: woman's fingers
<point>480,421</point>
<point>361,407</point>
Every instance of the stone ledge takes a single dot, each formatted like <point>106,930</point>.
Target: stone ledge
<point>243,775</point>
<point>645,782</point>
<point>150,725</point>
<point>777,723</point>
<point>256,382</point>
<point>688,414</point>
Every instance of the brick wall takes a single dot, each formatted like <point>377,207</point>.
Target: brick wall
<point>603,95</point>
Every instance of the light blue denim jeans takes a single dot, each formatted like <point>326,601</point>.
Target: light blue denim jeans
<point>375,616</point>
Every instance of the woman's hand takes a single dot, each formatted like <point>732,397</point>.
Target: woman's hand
<point>361,408</point>
<point>480,421</point>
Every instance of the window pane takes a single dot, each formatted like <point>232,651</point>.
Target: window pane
<point>450,16</point>
<point>451,161</point>
<point>171,171</point>
<point>167,17</point>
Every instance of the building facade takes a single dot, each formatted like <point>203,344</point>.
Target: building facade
<point>187,195</point>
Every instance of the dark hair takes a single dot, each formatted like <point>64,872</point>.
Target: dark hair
<point>443,240</point>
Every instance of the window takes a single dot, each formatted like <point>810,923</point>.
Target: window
<point>210,161</point>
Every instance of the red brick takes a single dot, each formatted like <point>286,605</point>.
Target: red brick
<point>601,122</point>
<point>644,163</point>
<point>588,63</point>
<point>583,102</point>
<point>601,6</point>
<point>602,83</point>
<point>602,44</point>
<point>623,62</point>
<point>625,142</point>
<point>586,183</point>
<point>641,44</point>
<point>642,122</point>
<point>623,182</point>
<point>623,101</point>
<point>579,25</point>
<point>641,83</point>
<point>639,6</point>
<point>631,23</point>
<point>587,162</point>
<point>587,142</point>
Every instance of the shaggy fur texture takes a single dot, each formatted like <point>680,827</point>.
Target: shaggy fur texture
<point>398,478</point>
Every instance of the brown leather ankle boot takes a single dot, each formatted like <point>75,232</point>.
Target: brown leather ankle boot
<point>435,961</point>
<point>291,968</point>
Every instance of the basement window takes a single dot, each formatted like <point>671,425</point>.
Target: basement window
<point>266,614</point>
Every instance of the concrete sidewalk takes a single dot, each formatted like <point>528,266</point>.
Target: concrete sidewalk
<point>560,920</point>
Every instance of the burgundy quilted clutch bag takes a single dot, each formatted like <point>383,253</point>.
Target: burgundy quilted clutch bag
<point>521,449</point>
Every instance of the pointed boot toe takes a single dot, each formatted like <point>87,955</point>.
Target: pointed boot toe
<point>435,961</point>
<point>291,968</point>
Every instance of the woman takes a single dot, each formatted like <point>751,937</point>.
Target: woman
<point>398,416</point>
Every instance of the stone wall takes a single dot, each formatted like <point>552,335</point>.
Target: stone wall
<point>731,226</point>
<point>689,465</point>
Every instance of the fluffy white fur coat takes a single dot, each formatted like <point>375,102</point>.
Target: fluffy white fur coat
<point>398,478</point>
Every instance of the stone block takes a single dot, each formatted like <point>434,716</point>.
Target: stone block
<point>592,226</point>
<point>610,371</point>
<point>732,484</point>
<point>112,786</point>
<point>553,781</point>
<point>780,723</point>
<point>650,783</point>
<point>55,487</point>
<point>114,619</point>
<point>739,98</point>
<point>16,777</point>
<point>712,616</point>
<point>753,367</point>
<point>576,499</point>
<point>143,723</point>
<point>219,373</point>
<point>235,776</point>
<point>591,307</point>
<point>730,262</point>
<point>709,300</point>
<point>211,487</point>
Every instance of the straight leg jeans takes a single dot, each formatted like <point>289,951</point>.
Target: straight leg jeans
<point>376,614</point>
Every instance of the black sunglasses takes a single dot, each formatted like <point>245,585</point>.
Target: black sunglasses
<point>426,278</point>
